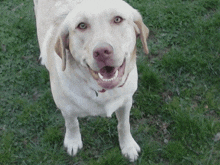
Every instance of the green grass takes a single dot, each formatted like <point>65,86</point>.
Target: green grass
<point>176,110</point>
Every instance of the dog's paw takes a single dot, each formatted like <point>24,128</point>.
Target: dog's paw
<point>130,150</point>
<point>73,145</point>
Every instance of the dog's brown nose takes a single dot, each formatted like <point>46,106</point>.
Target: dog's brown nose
<point>103,52</point>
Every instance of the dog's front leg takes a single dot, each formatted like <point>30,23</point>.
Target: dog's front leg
<point>129,147</point>
<point>72,140</point>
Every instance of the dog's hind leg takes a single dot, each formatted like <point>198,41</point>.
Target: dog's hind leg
<point>35,7</point>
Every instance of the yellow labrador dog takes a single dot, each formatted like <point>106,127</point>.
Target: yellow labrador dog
<point>88,47</point>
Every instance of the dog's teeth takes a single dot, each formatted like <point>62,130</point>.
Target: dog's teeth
<point>100,76</point>
<point>111,79</point>
<point>116,74</point>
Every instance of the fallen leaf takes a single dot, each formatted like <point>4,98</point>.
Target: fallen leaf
<point>217,137</point>
<point>165,141</point>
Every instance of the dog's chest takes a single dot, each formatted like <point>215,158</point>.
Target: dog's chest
<point>78,97</point>
<point>99,106</point>
<point>87,102</point>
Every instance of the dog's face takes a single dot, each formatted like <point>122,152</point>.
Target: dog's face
<point>101,36</point>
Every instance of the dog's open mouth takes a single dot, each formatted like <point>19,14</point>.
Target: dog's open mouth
<point>109,77</point>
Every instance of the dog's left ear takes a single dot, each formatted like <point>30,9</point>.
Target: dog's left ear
<point>141,30</point>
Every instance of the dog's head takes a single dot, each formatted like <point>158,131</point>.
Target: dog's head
<point>101,36</point>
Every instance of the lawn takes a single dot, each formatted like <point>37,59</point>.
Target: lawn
<point>175,117</point>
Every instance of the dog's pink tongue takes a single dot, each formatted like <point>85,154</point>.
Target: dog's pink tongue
<point>108,72</point>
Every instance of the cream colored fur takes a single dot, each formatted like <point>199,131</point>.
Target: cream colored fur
<point>66,52</point>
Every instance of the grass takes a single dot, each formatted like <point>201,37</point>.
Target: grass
<point>176,113</point>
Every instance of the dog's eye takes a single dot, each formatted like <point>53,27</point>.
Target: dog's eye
<point>82,26</point>
<point>118,19</point>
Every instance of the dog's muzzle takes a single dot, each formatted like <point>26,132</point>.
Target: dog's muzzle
<point>109,77</point>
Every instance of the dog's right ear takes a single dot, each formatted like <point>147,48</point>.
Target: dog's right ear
<point>61,45</point>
